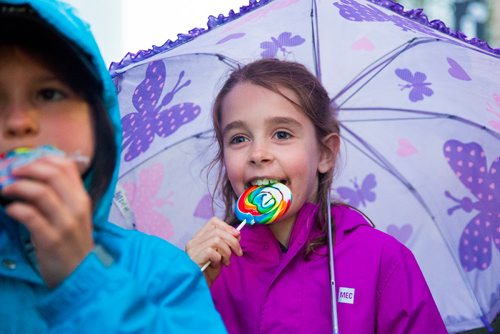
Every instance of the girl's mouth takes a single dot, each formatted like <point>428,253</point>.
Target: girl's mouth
<point>264,182</point>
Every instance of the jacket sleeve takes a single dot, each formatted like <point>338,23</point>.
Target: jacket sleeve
<point>405,302</point>
<point>170,296</point>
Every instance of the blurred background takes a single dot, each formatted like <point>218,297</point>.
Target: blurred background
<point>475,18</point>
<point>122,26</point>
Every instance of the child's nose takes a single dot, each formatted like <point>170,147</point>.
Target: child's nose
<point>260,154</point>
<point>19,120</point>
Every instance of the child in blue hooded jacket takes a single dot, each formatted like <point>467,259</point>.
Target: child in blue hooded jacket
<point>63,267</point>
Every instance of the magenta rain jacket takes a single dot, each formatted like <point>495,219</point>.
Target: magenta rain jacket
<point>380,288</point>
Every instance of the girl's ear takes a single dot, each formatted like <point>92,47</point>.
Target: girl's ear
<point>329,149</point>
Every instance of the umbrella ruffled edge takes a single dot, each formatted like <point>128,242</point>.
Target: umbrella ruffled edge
<point>417,15</point>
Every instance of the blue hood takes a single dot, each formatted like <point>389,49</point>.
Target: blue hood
<point>62,18</point>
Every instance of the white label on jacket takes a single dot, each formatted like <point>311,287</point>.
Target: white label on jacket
<point>121,201</point>
<point>346,295</point>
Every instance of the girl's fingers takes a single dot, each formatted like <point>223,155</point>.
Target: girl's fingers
<point>202,252</point>
<point>227,242</point>
<point>49,221</point>
<point>215,242</point>
<point>61,174</point>
<point>50,184</point>
<point>36,194</point>
<point>216,225</point>
<point>214,257</point>
<point>220,246</point>
<point>213,229</point>
<point>41,231</point>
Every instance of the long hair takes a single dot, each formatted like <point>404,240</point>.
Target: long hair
<point>313,101</point>
<point>74,67</point>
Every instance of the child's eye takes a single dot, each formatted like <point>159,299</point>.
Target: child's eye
<point>51,94</point>
<point>283,135</point>
<point>238,139</point>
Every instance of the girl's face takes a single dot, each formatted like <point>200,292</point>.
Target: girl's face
<point>37,108</point>
<point>265,136</point>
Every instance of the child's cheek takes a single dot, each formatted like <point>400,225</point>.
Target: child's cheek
<point>74,135</point>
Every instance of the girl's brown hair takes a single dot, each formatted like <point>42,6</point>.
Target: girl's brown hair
<point>313,100</point>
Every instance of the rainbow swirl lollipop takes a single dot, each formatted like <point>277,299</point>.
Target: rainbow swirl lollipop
<point>263,204</point>
<point>19,157</point>
<point>23,155</point>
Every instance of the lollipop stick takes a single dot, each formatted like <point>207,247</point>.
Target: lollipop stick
<point>241,225</point>
<point>205,266</point>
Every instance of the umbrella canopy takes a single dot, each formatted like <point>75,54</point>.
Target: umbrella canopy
<point>420,112</point>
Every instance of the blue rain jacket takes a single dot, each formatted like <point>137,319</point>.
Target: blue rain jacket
<point>131,282</point>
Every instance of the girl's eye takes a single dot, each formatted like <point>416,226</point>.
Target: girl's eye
<point>238,139</point>
<point>51,94</point>
<point>283,135</point>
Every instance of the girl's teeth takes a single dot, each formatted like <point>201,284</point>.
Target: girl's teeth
<point>264,182</point>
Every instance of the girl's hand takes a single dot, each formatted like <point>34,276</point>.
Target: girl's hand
<point>216,241</point>
<point>51,201</point>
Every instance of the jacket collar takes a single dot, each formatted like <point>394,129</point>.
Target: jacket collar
<point>345,219</point>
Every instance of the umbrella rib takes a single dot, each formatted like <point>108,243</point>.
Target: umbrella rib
<point>378,159</point>
<point>233,63</point>
<point>196,135</point>
<point>384,61</point>
<point>364,120</point>
<point>429,114</point>
<point>315,39</point>
<point>225,59</point>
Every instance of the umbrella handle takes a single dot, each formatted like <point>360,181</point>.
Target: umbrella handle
<point>205,266</point>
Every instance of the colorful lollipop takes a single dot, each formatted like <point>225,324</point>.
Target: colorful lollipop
<point>24,155</point>
<point>261,205</point>
<point>19,157</point>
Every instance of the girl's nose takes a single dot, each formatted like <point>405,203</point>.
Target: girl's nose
<point>260,154</point>
<point>19,120</point>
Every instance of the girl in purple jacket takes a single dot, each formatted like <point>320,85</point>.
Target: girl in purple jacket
<point>274,123</point>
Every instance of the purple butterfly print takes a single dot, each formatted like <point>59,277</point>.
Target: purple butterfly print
<point>418,86</point>
<point>204,208</point>
<point>153,118</point>
<point>457,71</point>
<point>356,12</point>
<point>146,201</point>
<point>359,195</point>
<point>468,161</point>
<point>284,39</point>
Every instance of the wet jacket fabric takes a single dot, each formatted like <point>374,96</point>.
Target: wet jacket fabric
<point>131,282</point>
<point>379,286</point>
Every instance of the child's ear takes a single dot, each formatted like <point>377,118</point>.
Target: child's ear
<point>329,149</point>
